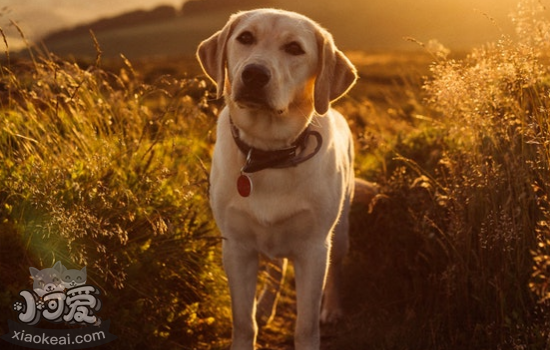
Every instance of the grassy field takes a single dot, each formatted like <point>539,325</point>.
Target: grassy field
<point>105,164</point>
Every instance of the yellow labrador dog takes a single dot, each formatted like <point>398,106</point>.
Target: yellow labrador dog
<point>282,176</point>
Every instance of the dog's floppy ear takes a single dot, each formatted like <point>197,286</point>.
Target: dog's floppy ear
<point>336,74</point>
<point>212,56</point>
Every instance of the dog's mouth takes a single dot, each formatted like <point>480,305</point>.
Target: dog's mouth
<point>252,100</point>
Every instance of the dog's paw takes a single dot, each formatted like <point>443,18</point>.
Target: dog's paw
<point>18,306</point>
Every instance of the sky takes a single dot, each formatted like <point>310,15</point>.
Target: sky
<point>455,22</point>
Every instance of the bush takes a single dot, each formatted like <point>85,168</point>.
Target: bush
<point>465,209</point>
<point>100,169</point>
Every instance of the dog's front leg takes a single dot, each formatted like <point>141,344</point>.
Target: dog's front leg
<point>241,267</point>
<point>310,269</point>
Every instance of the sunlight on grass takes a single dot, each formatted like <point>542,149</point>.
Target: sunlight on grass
<point>109,168</point>
<point>457,246</point>
<point>103,170</point>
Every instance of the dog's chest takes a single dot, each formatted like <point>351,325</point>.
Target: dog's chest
<point>278,243</point>
<point>278,197</point>
<point>279,234</point>
<point>280,215</point>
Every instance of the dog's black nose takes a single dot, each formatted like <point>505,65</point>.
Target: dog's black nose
<point>255,76</point>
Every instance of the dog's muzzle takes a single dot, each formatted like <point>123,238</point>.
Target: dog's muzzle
<point>252,92</point>
<point>255,76</point>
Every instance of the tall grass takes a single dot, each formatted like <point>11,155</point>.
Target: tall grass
<point>103,170</point>
<point>463,222</point>
<point>100,168</point>
<point>494,106</point>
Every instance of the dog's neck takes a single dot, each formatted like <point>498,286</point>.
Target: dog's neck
<point>258,159</point>
<point>269,129</point>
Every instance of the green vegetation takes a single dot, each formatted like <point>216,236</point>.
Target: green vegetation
<point>103,170</point>
<point>106,166</point>
<point>455,254</point>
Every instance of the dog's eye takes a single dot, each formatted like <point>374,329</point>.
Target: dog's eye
<point>294,49</point>
<point>246,38</point>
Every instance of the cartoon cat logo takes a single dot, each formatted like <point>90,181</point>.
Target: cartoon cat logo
<point>59,295</point>
<point>73,278</point>
<point>47,280</point>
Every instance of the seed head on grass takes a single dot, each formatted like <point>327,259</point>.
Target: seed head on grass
<point>100,169</point>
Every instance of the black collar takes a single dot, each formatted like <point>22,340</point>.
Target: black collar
<point>257,159</point>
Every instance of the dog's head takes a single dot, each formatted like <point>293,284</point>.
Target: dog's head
<point>277,62</point>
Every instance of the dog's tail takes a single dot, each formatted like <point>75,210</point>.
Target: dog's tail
<point>365,192</point>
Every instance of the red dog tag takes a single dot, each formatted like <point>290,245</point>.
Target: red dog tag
<point>244,185</point>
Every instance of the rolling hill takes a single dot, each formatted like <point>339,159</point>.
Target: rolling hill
<point>163,31</point>
<point>356,25</point>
